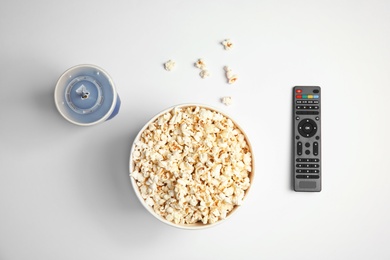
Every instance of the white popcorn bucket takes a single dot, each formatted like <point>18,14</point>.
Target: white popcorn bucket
<point>198,225</point>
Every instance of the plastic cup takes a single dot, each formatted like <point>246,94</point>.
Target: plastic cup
<point>85,95</point>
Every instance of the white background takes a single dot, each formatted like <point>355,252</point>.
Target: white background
<point>65,191</point>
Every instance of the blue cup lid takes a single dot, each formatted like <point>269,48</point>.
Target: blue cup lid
<point>85,95</point>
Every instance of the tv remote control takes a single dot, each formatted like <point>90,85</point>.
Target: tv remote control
<point>307,162</point>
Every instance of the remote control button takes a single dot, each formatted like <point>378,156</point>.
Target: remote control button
<point>315,148</point>
<point>304,101</point>
<point>316,96</point>
<point>307,185</point>
<point>300,165</point>
<point>310,102</point>
<point>316,91</point>
<point>317,118</point>
<point>304,96</point>
<point>307,128</point>
<point>307,160</point>
<point>309,96</point>
<point>306,166</point>
<point>317,137</point>
<point>307,144</point>
<point>298,90</point>
<point>297,118</point>
<point>297,137</point>
<point>307,113</point>
<point>299,148</point>
<point>307,176</point>
<point>307,152</point>
<point>298,96</point>
<point>307,171</point>
<point>299,102</point>
<point>315,102</point>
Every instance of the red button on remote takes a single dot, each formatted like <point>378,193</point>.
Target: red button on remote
<point>298,90</point>
<point>298,96</point>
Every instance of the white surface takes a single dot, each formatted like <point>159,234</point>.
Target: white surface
<point>65,191</point>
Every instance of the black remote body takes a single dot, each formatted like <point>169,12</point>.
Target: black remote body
<point>307,137</point>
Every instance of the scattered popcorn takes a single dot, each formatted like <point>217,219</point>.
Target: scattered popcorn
<point>227,44</point>
<point>200,64</point>
<point>232,78</point>
<point>227,101</point>
<point>192,165</point>
<point>169,65</point>
<point>228,71</point>
<point>204,73</point>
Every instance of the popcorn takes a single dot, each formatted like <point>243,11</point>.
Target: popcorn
<point>169,65</point>
<point>192,165</point>
<point>227,44</point>
<point>149,201</point>
<point>204,73</point>
<point>227,101</point>
<point>232,78</point>
<point>200,64</point>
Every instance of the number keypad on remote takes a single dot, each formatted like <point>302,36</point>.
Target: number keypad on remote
<point>307,138</point>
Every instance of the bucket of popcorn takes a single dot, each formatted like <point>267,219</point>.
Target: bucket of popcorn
<point>191,166</point>
<point>85,95</point>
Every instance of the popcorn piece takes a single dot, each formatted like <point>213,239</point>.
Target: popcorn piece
<point>149,201</point>
<point>200,64</point>
<point>227,44</point>
<point>204,74</point>
<point>232,78</point>
<point>169,65</point>
<point>227,69</point>
<point>227,101</point>
<point>192,165</point>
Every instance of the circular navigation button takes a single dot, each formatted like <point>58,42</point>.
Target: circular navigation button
<point>307,128</point>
